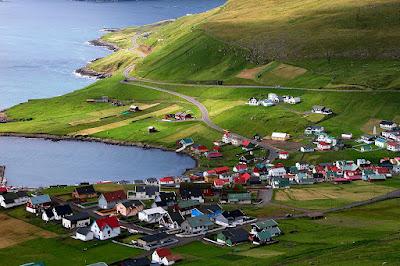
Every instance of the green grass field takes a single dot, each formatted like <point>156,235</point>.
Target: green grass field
<point>361,236</point>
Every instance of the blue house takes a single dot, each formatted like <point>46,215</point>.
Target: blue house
<point>209,210</point>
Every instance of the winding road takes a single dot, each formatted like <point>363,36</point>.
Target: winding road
<point>205,117</point>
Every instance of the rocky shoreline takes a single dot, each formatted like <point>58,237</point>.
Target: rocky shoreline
<point>98,140</point>
<point>107,45</point>
<point>87,72</point>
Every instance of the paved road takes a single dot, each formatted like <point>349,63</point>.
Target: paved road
<point>273,152</point>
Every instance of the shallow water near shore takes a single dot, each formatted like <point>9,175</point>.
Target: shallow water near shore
<point>37,162</point>
<point>44,41</point>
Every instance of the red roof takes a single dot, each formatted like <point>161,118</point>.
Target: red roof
<point>201,148</point>
<point>246,142</point>
<point>323,143</point>
<point>115,195</point>
<point>3,189</point>
<point>216,148</point>
<point>220,182</point>
<point>221,170</point>
<point>111,221</point>
<point>393,143</point>
<point>214,154</point>
<point>167,179</point>
<point>283,152</point>
<point>279,165</point>
<point>241,166</point>
<point>163,252</point>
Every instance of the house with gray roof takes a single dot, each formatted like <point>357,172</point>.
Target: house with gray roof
<point>196,225</point>
<point>38,203</point>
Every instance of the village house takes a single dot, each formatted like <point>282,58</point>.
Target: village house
<point>247,158</point>
<point>301,166</point>
<point>247,145</point>
<point>182,116</point>
<point>13,199</point>
<point>155,240</point>
<point>347,135</point>
<point>318,109</point>
<point>239,198</point>
<point>219,183</point>
<point>108,200</point>
<point>252,101</point>
<point>61,211</point>
<point>280,136</point>
<point>371,176</point>
<point>323,146</point>
<point>291,99</point>
<point>367,139</point>
<point>279,182</point>
<point>233,236</point>
<point>240,168</point>
<point>192,192</point>
<point>167,181</point>
<point>165,199</point>
<point>393,146</point>
<point>304,178</point>
<point>186,142</point>
<point>266,103</point>
<point>314,130</point>
<point>213,155</point>
<point>283,155</point>
<point>151,181</point>
<point>274,97</point>
<point>134,108</point>
<point>172,220</point>
<point>261,238</point>
<point>152,215</point>
<point>307,149</point>
<point>106,228</point>
<point>81,219</point>
<point>278,171</point>
<point>196,225</point>
<point>230,218</point>
<point>47,215</point>
<point>164,256</point>
<point>270,225</point>
<point>84,234</point>
<point>380,142</point>
<point>38,203</point>
<point>83,193</point>
<point>128,208</point>
<point>185,207</point>
<point>199,149</point>
<point>210,210</point>
<point>143,192</point>
<point>392,135</point>
<point>216,171</point>
<point>387,125</point>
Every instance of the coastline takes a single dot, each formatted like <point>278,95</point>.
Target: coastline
<point>100,140</point>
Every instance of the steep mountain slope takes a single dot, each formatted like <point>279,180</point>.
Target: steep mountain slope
<point>344,43</point>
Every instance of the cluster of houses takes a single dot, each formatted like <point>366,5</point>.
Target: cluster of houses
<point>273,99</point>
<point>389,138</point>
<point>180,116</point>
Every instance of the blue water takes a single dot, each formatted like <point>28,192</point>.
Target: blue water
<point>42,42</point>
<point>38,162</point>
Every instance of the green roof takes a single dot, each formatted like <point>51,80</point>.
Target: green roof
<point>264,235</point>
<point>239,196</point>
<point>197,221</point>
<point>266,224</point>
<point>183,204</point>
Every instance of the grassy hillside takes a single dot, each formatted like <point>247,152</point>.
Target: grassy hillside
<point>340,44</point>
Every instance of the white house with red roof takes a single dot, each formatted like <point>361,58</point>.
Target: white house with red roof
<point>168,180</point>
<point>283,155</point>
<point>108,200</point>
<point>164,256</point>
<point>240,168</point>
<point>219,183</point>
<point>216,171</point>
<point>323,146</point>
<point>106,228</point>
<point>393,146</point>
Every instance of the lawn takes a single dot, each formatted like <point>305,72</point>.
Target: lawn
<point>65,251</point>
